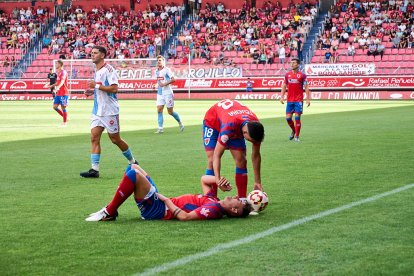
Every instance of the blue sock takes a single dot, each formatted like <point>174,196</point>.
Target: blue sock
<point>176,116</point>
<point>160,120</point>
<point>128,168</point>
<point>209,172</point>
<point>95,157</point>
<point>128,155</point>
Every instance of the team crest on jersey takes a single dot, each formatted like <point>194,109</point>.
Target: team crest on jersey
<point>204,212</point>
<point>224,138</point>
<point>206,141</point>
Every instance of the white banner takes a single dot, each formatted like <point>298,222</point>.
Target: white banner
<point>339,69</point>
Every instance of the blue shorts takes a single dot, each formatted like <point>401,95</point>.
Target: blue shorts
<point>210,137</point>
<point>294,107</point>
<point>62,100</point>
<point>151,207</point>
<point>249,89</point>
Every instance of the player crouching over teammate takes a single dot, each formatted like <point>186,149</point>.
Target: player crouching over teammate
<point>155,206</point>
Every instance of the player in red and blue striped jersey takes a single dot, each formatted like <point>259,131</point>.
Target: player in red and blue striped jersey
<point>227,125</point>
<point>296,83</point>
<point>62,91</point>
<point>155,206</point>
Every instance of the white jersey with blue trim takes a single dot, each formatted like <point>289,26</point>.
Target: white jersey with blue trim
<point>105,104</point>
<point>164,75</point>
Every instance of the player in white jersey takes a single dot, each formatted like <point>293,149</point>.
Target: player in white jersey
<point>105,112</point>
<point>165,95</point>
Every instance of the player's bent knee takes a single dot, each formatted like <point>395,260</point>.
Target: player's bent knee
<point>241,162</point>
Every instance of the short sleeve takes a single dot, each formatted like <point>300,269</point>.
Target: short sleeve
<point>170,73</point>
<point>112,77</point>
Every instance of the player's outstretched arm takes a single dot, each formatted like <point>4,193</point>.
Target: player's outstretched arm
<point>178,213</point>
<point>257,163</point>
<point>307,95</point>
<point>208,182</point>
<point>218,153</point>
<point>282,94</point>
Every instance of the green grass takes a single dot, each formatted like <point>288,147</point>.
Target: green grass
<point>349,151</point>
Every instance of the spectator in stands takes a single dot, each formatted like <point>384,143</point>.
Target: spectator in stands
<point>372,49</point>
<point>221,56</point>
<point>395,40</point>
<point>380,50</point>
<point>220,8</point>
<point>228,62</point>
<point>54,48</point>
<point>351,49</point>
<point>410,40</point>
<point>158,44</point>
<point>151,51</point>
<point>299,47</point>
<point>46,41</point>
<point>403,42</point>
<point>334,57</point>
<point>263,58</point>
<point>61,41</point>
<point>282,54</point>
<point>76,53</point>
<point>327,56</point>
<point>6,62</point>
<point>256,57</point>
<point>172,52</point>
<point>184,58</point>
<point>344,36</point>
<point>362,43</point>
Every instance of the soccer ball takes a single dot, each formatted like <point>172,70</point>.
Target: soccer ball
<point>258,200</point>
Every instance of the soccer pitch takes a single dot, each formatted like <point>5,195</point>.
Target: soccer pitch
<point>350,152</point>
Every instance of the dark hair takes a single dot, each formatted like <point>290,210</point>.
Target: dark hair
<point>60,62</point>
<point>101,49</point>
<point>247,208</point>
<point>296,59</point>
<point>256,131</point>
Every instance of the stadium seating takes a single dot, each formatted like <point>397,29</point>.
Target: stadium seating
<point>79,30</point>
<point>379,23</point>
<point>19,26</point>
<point>268,29</point>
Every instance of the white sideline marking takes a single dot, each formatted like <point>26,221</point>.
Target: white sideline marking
<point>251,238</point>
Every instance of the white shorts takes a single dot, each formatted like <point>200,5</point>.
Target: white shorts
<point>110,123</point>
<point>167,100</point>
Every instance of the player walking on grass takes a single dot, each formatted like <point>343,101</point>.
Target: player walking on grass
<point>155,206</point>
<point>296,84</point>
<point>105,112</point>
<point>227,125</point>
<point>165,95</point>
<point>62,92</point>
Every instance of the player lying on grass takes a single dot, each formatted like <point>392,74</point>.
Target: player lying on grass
<point>154,205</point>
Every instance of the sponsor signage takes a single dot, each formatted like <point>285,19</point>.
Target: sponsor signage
<point>226,84</point>
<point>182,72</point>
<point>339,69</point>
<point>339,95</point>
